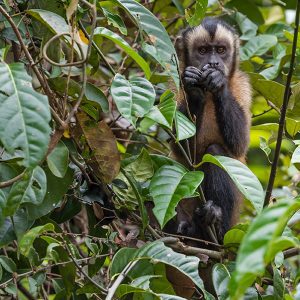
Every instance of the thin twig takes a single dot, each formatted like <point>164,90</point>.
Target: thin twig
<point>80,269</point>
<point>120,278</point>
<point>184,237</point>
<point>262,113</point>
<point>97,49</point>
<point>287,94</point>
<point>10,182</point>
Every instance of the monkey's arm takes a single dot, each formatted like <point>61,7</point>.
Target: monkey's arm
<point>194,92</point>
<point>230,116</point>
<point>232,122</point>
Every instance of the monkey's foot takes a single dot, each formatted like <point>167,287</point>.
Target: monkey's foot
<point>210,214</point>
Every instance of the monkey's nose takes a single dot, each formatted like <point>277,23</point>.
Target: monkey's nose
<point>214,64</point>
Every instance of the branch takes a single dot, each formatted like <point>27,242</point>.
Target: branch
<point>287,94</point>
<point>80,269</point>
<point>177,245</point>
<point>10,182</point>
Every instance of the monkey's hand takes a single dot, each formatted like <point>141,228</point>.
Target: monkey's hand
<point>212,78</point>
<point>191,78</point>
<point>210,214</point>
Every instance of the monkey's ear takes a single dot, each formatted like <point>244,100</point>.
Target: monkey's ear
<point>179,46</point>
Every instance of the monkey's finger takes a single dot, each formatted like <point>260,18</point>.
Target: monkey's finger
<point>190,75</point>
<point>206,73</point>
<point>192,82</point>
<point>205,67</point>
<point>193,70</point>
<point>211,77</point>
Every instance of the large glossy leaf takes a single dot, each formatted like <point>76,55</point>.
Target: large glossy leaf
<point>101,31</point>
<point>134,98</point>
<point>168,186</point>
<point>31,189</point>
<point>102,142</point>
<point>243,178</point>
<point>158,252</point>
<point>184,127</point>
<point>146,21</point>
<point>51,20</point>
<point>221,278</point>
<point>258,45</point>
<point>256,248</point>
<point>24,115</point>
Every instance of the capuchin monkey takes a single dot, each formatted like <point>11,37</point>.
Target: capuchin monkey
<point>218,97</point>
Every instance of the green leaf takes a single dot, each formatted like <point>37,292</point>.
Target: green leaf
<point>155,115</point>
<point>278,285</point>
<point>56,189</point>
<point>247,27</point>
<point>256,249</point>
<point>168,186</point>
<point>94,94</point>
<point>146,21</point>
<point>243,178</point>
<point>134,98</point>
<point>101,31</point>
<point>51,20</point>
<point>27,240</point>
<point>248,8</point>
<point>32,189</point>
<point>196,17</point>
<point>296,157</point>
<point>141,168</point>
<point>271,90</point>
<point>167,106</point>
<point>258,45</point>
<point>24,115</point>
<point>233,236</point>
<point>292,126</point>
<point>280,244</point>
<point>8,264</point>
<point>158,252</point>
<point>115,20</point>
<point>184,127</point>
<point>221,277</point>
<point>58,160</point>
<point>137,192</point>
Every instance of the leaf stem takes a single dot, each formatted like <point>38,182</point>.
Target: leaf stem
<point>287,94</point>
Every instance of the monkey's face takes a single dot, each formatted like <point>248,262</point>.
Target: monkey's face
<point>209,44</point>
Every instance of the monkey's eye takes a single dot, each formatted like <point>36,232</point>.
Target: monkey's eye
<point>221,50</point>
<point>202,50</point>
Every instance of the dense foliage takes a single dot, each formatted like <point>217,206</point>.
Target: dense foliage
<point>87,110</point>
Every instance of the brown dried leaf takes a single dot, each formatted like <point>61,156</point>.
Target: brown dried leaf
<point>106,157</point>
<point>98,211</point>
